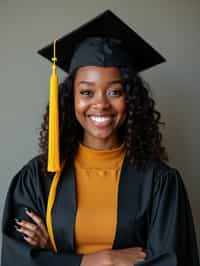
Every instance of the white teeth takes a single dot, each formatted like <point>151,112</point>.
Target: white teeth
<point>100,119</point>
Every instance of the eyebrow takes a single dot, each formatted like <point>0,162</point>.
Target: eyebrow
<point>109,83</point>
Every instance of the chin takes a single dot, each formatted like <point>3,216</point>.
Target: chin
<point>103,135</point>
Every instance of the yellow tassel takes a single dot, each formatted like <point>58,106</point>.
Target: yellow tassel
<point>50,204</point>
<point>53,141</point>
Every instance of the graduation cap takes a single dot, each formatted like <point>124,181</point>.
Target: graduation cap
<point>76,49</point>
<point>103,41</point>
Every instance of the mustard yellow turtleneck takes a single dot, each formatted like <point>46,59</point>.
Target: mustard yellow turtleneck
<point>97,179</point>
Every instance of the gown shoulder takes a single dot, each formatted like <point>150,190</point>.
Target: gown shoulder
<point>171,236</point>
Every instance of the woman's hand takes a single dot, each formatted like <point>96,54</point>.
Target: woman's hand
<point>126,257</point>
<point>99,258</point>
<point>115,257</point>
<point>34,233</point>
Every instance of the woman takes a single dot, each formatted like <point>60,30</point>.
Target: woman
<point>114,201</point>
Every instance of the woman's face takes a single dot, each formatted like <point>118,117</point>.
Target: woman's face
<point>100,106</point>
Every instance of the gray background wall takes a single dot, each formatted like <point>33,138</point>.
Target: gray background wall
<point>173,27</point>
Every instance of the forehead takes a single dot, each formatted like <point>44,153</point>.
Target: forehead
<point>97,73</point>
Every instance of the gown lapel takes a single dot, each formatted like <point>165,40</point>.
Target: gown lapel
<point>64,210</point>
<point>130,221</point>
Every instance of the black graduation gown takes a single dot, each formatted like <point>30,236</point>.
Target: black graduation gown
<point>153,212</point>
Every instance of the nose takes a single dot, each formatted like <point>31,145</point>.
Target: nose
<point>101,101</point>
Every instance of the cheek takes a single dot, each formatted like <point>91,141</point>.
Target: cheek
<point>80,107</point>
<point>121,107</point>
<point>121,110</point>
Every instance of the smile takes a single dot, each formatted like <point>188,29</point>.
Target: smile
<point>100,121</point>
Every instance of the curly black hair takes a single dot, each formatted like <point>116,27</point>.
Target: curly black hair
<point>140,131</point>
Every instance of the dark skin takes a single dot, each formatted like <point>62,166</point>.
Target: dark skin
<point>99,100</point>
<point>99,92</point>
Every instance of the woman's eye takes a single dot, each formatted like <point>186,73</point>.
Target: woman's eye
<point>115,92</point>
<point>86,92</point>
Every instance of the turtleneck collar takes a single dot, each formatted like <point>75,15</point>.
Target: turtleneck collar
<point>91,158</point>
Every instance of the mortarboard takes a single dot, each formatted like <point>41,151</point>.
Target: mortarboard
<point>76,45</point>
<point>103,41</point>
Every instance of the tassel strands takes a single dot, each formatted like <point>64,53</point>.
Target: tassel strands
<point>53,141</point>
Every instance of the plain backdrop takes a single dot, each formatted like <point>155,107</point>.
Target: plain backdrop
<point>172,27</point>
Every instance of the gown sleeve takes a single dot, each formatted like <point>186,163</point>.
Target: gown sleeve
<point>25,191</point>
<point>171,235</point>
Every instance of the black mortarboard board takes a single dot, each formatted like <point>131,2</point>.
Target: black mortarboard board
<point>78,48</point>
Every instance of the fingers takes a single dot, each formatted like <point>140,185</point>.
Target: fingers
<point>135,252</point>
<point>37,220</point>
<point>28,228</point>
<point>34,233</point>
<point>31,241</point>
<point>28,235</point>
<point>141,254</point>
<point>136,249</point>
<point>30,232</point>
